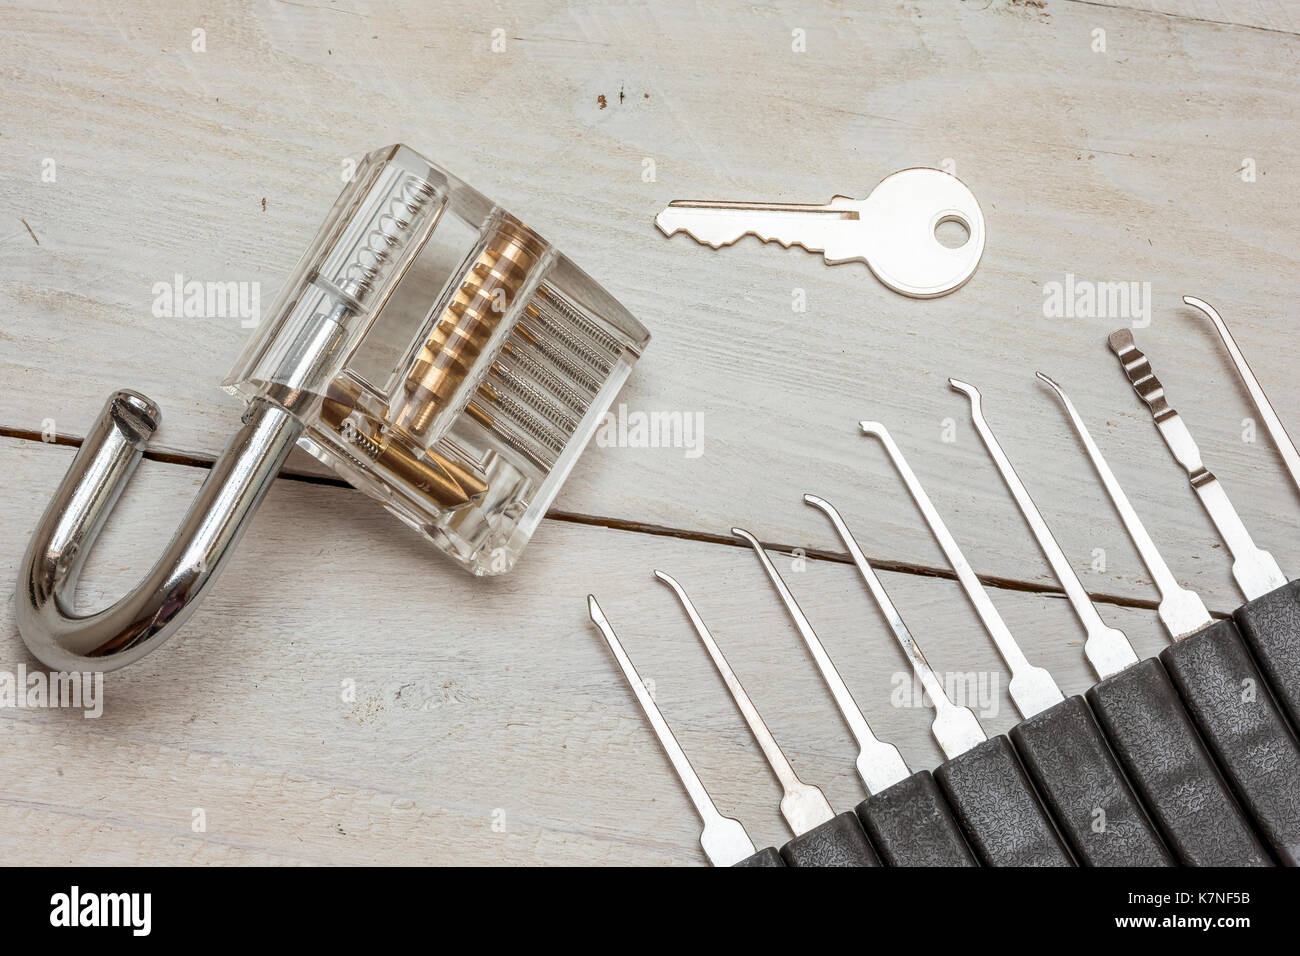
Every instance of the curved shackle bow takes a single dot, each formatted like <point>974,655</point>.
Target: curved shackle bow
<point>461,405</point>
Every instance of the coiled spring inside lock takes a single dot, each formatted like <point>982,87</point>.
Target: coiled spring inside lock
<point>534,392</point>
<point>392,231</point>
<point>462,331</point>
<point>462,422</point>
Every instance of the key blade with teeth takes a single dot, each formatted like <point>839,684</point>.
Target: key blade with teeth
<point>892,230</point>
<point>717,224</point>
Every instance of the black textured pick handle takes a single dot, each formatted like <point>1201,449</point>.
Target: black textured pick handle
<point>911,824</point>
<point>1271,626</point>
<point>1068,758</point>
<point>837,842</point>
<point>1235,713</point>
<point>1172,770</point>
<point>1001,815</point>
<point>765,857</point>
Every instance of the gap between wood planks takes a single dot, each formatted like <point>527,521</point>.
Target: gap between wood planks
<point>1183,17</point>
<point>639,527</point>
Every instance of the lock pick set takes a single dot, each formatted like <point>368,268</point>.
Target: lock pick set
<point>1187,759</point>
<point>448,361</point>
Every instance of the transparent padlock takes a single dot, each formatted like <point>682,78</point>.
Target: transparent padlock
<point>429,347</point>
<point>442,356</point>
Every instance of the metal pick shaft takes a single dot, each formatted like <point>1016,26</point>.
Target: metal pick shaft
<point>1182,611</point>
<point>1032,689</point>
<point>803,806</point>
<point>1254,569</point>
<point>955,728</point>
<point>1276,430</point>
<point>724,839</point>
<point>880,765</point>
<point>1107,648</point>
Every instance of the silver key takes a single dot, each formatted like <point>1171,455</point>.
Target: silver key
<point>892,230</point>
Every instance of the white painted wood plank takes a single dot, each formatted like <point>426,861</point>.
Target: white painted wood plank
<point>473,697</point>
<point>1277,15</point>
<point>1111,166</point>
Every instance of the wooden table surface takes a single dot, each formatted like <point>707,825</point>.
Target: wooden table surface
<point>1145,141</point>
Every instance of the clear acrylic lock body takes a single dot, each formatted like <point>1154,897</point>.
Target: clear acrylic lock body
<point>442,357</point>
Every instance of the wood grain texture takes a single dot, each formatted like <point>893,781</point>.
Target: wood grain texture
<point>471,696</point>
<point>1123,165</point>
<point>1276,15</point>
<point>1111,166</point>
